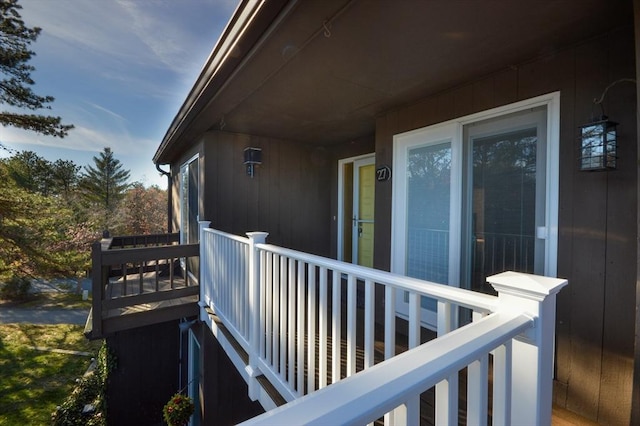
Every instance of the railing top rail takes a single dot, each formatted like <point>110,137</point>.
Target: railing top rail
<point>461,297</point>
<point>227,235</point>
<point>145,239</point>
<point>138,254</point>
<point>371,393</point>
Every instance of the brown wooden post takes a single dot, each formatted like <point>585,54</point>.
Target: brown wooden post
<point>97,287</point>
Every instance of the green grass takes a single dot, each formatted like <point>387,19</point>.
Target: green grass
<point>54,301</point>
<point>33,382</point>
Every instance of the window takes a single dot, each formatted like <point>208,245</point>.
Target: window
<point>477,196</point>
<point>189,202</point>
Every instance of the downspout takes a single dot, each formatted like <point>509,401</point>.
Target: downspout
<point>169,198</point>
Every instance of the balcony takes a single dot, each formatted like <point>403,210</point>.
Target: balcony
<point>319,341</point>
<point>141,280</point>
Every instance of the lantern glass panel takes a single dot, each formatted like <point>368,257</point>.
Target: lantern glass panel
<point>598,146</point>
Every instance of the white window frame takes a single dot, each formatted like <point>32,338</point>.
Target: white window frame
<point>453,131</point>
<point>184,233</point>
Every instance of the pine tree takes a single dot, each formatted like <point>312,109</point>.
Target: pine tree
<point>15,76</point>
<point>106,183</point>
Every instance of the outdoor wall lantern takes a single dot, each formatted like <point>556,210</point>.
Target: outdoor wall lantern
<point>252,157</point>
<point>598,139</point>
<point>598,147</point>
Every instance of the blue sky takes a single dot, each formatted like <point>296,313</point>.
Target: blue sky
<point>119,71</point>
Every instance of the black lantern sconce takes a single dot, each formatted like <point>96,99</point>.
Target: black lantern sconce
<point>599,140</point>
<point>598,148</point>
<point>252,157</point>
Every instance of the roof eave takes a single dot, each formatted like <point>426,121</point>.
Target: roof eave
<point>219,66</point>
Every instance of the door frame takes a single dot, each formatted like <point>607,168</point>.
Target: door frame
<point>452,130</point>
<point>341,181</point>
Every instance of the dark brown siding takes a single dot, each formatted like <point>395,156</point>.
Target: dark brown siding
<point>146,375</point>
<point>288,197</point>
<point>597,217</point>
<point>225,392</point>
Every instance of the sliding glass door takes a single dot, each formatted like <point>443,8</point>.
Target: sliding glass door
<point>471,199</point>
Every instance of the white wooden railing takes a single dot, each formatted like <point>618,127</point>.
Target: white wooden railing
<point>279,306</point>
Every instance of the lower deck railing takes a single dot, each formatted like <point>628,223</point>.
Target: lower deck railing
<point>308,322</point>
<point>137,275</point>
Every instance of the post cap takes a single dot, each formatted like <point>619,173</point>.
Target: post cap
<point>536,287</point>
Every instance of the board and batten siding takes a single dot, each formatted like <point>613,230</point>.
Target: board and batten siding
<point>597,214</point>
<point>288,197</point>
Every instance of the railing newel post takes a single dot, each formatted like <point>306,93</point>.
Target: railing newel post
<point>532,352</point>
<point>254,311</point>
<point>97,288</point>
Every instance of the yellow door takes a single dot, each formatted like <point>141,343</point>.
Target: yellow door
<point>364,184</point>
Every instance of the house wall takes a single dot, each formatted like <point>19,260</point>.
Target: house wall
<point>597,217</point>
<point>224,392</point>
<point>146,373</point>
<point>287,197</point>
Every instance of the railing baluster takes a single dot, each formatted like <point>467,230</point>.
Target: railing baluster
<point>447,390</point>
<point>157,275</point>
<point>369,323</point>
<point>351,324</point>
<point>291,358</point>
<point>276,312</point>
<point>302,337</point>
<point>311,328</point>
<point>336,358</point>
<point>502,367</point>
<point>413,404</point>
<point>124,278</point>
<point>262,306</point>
<point>323,330</point>
<point>141,274</point>
<point>269,302</point>
<point>390,337</point>
<point>477,387</point>
<point>283,317</point>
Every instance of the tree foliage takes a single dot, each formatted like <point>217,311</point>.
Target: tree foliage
<point>143,211</point>
<point>103,186</point>
<point>47,225</point>
<point>15,76</point>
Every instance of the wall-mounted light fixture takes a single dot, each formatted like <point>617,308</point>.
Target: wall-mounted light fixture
<point>598,139</point>
<point>252,157</point>
<point>598,149</point>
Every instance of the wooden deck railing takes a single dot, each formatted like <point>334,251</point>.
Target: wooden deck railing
<point>137,275</point>
<point>304,326</point>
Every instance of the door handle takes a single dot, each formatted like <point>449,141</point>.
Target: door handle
<point>359,231</point>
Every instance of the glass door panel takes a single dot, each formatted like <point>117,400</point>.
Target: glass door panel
<point>364,185</point>
<point>428,212</point>
<point>505,198</point>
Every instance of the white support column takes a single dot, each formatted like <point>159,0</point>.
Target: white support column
<point>532,353</point>
<point>254,311</point>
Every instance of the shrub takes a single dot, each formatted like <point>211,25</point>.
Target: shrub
<point>16,289</point>
<point>90,390</point>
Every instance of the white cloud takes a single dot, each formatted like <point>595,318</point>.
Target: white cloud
<point>119,69</point>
